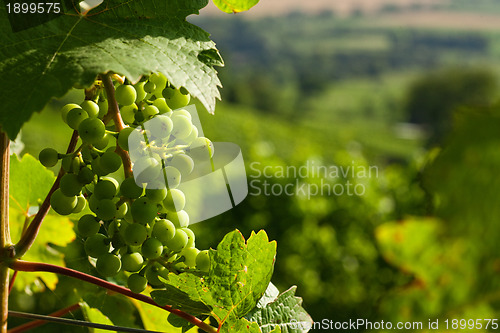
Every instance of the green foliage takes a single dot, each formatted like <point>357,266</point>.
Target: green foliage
<point>235,6</point>
<point>452,258</point>
<point>95,316</point>
<point>282,311</point>
<point>238,277</point>
<point>433,98</point>
<point>25,194</point>
<point>112,37</point>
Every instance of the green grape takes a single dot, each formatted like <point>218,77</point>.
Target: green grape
<point>93,201</point>
<point>123,137</point>
<point>80,204</point>
<point>192,136</point>
<point>182,112</point>
<point>135,234</point>
<point>70,163</point>
<point>103,108</point>
<point>91,107</point>
<point>168,92</point>
<point>149,87</point>
<point>67,108</point>
<point>156,195</point>
<point>160,127</point>
<point>70,185</point>
<point>75,117</point>
<point>183,163</point>
<point>117,240</point>
<point>159,80</point>
<point>162,106</point>
<point>128,113</point>
<point>149,111</point>
<point>48,157</point>
<point>203,261</point>
<point>143,210</point>
<point>113,228</point>
<point>146,169</point>
<point>190,254</point>
<point>184,91</point>
<point>91,130</point>
<point>122,211</point>
<point>174,201</point>
<point>201,149</point>
<point>139,117</point>
<point>173,177</point>
<point>88,225</point>
<point>108,264</point>
<point>105,188</point>
<point>132,262</point>
<point>163,230</point>
<point>152,248</point>
<point>128,215</point>
<point>87,154</point>
<point>129,188</point>
<point>152,273</point>
<point>62,204</point>
<point>125,94</point>
<point>182,126</point>
<point>96,167</point>
<point>180,219</point>
<point>103,143</point>
<point>137,283</point>
<point>110,161</point>
<point>97,245</point>
<point>177,99</point>
<point>191,237</point>
<point>139,89</point>
<point>105,209</point>
<point>85,176</point>
<point>178,242</point>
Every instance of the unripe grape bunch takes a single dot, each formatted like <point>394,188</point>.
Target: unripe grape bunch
<point>135,223</point>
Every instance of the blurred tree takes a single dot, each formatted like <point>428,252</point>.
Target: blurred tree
<point>432,98</point>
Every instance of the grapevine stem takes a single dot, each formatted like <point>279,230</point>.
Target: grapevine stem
<point>12,280</point>
<point>26,266</point>
<point>36,323</point>
<point>114,112</point>
<point>29,236</point>
<point>5,242</point>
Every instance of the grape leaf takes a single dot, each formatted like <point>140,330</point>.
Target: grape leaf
<point>174,296</point>
<point>132,38</point>
<point>26,192</point>
<point>118,308</point>
<point>269,296</point>
<point>154,318</point>
<point>93,315</point>
<point>239,275</point>
<point>284,312</point>
<point>235,6</point>
<point>240,326</point>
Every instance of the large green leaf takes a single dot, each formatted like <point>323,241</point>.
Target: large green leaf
<point>93,315</point>
<point>241,326</point>
<point>132,38</point>
<point>155,319</point>
<point>235,6</point>
<point>29,184</point>
<point>239,275</point>
<point>284,311</point>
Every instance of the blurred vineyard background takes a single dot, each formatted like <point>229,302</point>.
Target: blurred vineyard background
<point>411,87</point>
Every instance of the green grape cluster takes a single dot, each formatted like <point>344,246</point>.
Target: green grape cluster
<point>137,223</point>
